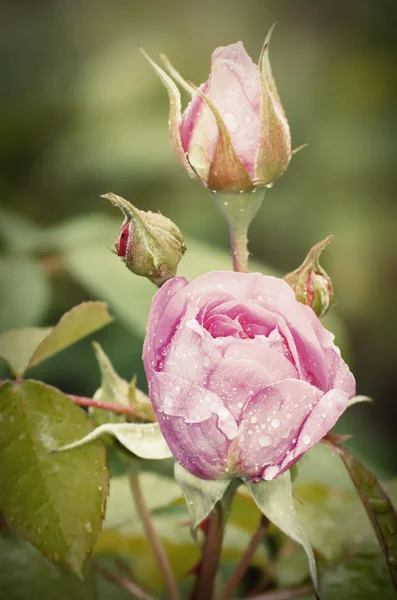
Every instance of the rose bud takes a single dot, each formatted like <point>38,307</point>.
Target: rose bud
<point>148,243</point>
<point>243,378</point>
<point>233,135</point>
<point>310,282</point>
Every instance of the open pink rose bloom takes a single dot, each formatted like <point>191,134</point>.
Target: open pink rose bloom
<point>243,379</point>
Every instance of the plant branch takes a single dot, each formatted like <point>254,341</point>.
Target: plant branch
<point>123,582</point>
<point>83,401</point>
<point>204,586</point>
<point>285,594</point>
<point>239,210</point>
<point>117,408</point>
<point>246,559</point>
<point>153,537</point>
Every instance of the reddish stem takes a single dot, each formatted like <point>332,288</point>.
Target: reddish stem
<point>83,401</point>
<point>117,408</point>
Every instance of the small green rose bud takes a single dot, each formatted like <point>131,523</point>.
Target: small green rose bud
<point>310,282</point>
<point>149,244</point>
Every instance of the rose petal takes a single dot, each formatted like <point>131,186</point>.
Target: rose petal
<point>271,426</point>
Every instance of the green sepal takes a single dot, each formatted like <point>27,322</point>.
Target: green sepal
<point>274,499</point>
<point>201,495</point>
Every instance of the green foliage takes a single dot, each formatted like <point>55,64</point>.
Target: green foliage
<point>143,439</point>
<point>275,501</point>
<point>56,501</point>
<point>377,504</point>
<point>360,578</point>
<point>24,348</point>
<point>25,292</point>
<point>25,573</point>
<point>201,494</point>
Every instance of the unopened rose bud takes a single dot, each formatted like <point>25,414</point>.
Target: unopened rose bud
<point>149,244</point>
<point>233,135</point>
<point>311,284</point>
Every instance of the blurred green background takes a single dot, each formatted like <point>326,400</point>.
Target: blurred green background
<point>82,114</point>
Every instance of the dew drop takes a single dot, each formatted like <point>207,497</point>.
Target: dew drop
<point>254,419</point>
<point>306,439</point>
<point>88,527</point>
<point>230,121</point>
<point>265,440</point>
<point>275,423</point>
<point>379,505</point>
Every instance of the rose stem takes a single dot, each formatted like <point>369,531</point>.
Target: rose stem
<point>153,537</point>
<point>123,582</point>
<point>286,594</point>
<point>239,247</point>
<point>239,210</point>
<point>204,586</point>
<point>117,408</point>
<point>82,401</point>
<point>246,559</point>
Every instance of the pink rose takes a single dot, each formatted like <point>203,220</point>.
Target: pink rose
<point>234,135</point>
<point>243,379</point>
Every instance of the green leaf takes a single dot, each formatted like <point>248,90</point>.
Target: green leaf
<point>274,500</point>
<point>376,502</point>
<point>360,578</point>
<point>143,439</point>
<point>114,390</point>
<point>80,321</point>
<point>18,345</point>
<point>201,495</point>
<point>25,348</point>
<point>56,501</point>
<point>25,292</point>
<point>26,575</point>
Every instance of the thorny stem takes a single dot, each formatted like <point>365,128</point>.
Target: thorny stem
<point>204,586</point>
<point>286,594</point>
<point>153,537</point>
<point>123,582</point>
<point>239,210</point>
<point>246,559</point>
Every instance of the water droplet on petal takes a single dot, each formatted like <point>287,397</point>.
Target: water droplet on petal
<point>230,121</point>
<point>265,440</point>
<point>88,527</point>
<point>275,423</point>
<point>306,439</point>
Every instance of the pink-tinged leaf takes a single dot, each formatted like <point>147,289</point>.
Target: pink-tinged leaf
<point>175,116</point>
<point>376,502</point>
<point>227,173</point>
<point>274,150</point>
